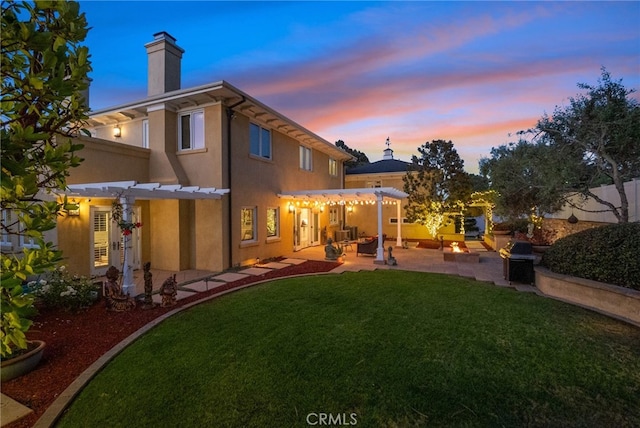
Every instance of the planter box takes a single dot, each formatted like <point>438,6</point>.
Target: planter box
<point>618,301</point>
<point>22,364</point>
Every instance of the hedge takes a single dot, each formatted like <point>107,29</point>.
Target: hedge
<point>609,254</point>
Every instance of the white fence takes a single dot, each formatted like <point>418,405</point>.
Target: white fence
<point>610,194</point>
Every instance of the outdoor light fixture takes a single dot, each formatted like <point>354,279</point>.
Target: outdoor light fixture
<point>291,208</point>
<point>350,208</point>
<point>76,211</point>
<point>117,132</point>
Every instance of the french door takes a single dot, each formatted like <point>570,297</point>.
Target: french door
<point>108,243</point>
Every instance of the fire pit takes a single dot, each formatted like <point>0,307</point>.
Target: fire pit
<point>458,254</point>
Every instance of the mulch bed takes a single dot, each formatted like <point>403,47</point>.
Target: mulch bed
<point>76,340</point>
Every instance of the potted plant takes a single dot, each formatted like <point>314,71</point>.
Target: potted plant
<point>19,356</point>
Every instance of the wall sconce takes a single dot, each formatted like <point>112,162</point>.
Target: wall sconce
<point>350,208</point>
<point>117,132</point>
<point>321,208</point>
<point>291,208</point>
<point>73,209</point>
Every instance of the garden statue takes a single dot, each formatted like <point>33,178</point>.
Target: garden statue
<point>115,300</point>
<point>169,291</point>
<point>391,260</point>
<point>148,286</point>
<point>332,252</point>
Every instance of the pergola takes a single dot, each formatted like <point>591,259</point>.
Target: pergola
<point>377,195</point>
<point>127,192</point>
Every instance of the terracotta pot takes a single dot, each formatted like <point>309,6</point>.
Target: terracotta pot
<point>23,363</point>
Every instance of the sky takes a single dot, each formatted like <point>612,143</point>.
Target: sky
<point>474,73</point>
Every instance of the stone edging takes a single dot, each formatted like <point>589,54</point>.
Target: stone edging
<point>618,302</point>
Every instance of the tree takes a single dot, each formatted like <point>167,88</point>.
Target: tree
<point>595,140</point>
<point>522,177</point>
<point>437,185</point>
<point>361,158</point>
<point>44,73</point>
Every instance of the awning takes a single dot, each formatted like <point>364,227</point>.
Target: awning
<point>143,190</point>
<point>341,196</point>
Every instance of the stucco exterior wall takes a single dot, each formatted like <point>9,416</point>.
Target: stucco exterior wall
<point>257,181</point>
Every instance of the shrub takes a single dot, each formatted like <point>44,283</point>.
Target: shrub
<point>608,254</point>
<point>64,291</point>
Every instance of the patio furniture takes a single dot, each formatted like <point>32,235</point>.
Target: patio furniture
<point>369,246</point>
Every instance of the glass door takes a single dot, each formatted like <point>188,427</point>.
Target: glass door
<point>101,245</point>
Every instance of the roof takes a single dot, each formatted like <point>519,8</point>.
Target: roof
<point>382,166</point>
<point>221,91</point>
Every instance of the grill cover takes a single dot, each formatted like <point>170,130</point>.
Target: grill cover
<point>517,249</point>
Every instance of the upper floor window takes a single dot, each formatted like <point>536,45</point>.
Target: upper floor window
<point>191,130</point>
<point>333,167</point>
<point>260,141</point>
<point>305,158</point>
<point>145,133</point>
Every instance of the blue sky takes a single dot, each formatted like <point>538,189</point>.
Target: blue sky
<point>470,72</point>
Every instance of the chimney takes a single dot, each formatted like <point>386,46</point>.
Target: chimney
<point>163,74</point>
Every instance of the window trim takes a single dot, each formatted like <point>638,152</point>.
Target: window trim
<point>254,225</point>
<point>276,236</point>
<point>261,130</point>
<point>334,216</point>
<point>306,158</point>
<point>333,167</point>
<point>192,131</point>
<point>145,133</point>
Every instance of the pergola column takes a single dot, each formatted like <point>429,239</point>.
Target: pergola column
<point>399,225</point>
<point>128,286</point>
<point>380,251</point>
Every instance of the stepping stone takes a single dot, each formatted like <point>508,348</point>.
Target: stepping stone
<point>230,277</point>
<point>12,410</point>
<point>182,294</point>
<point>255,271</point>
<point>201,286</point>
<point>293,261</point>
<point>274,265</point>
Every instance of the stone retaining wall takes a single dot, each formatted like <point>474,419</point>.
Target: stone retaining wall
<point>618,301</point>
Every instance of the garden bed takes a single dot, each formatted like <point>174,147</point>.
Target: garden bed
<point>76,340</point>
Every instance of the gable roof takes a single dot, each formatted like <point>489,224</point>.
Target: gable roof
<point>382,166</point>
<point>221,91</point>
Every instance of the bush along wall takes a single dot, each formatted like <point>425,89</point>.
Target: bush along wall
<point>609,254</point>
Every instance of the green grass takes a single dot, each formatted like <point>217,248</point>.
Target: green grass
<point>394,348</point>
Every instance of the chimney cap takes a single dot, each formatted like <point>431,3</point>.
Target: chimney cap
<point>164,35</point>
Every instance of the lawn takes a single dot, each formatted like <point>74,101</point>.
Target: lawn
<point>384,348</point>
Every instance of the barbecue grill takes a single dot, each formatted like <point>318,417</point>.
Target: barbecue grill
<point>517,261</point>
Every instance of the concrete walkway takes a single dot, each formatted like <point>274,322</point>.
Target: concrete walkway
<point>489,269</point>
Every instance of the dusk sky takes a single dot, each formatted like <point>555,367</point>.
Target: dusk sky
<point>469,72</point>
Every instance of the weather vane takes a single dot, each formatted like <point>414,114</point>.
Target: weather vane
<point>388,143</point>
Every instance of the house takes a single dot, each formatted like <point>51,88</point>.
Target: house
<point>203,169</point>
<point>387,172</point>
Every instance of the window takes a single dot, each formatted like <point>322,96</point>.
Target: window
<point>5,241</point>
<point>248,225</point>
<point>273,222</point>
<point>394,220</point>
<point>260,141</point>
<point>333,215</point>
<point>333,167</point>
<point>305,158</point>
<point>145,133</point>
<point>26,241</point>
<point>191,130</point>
